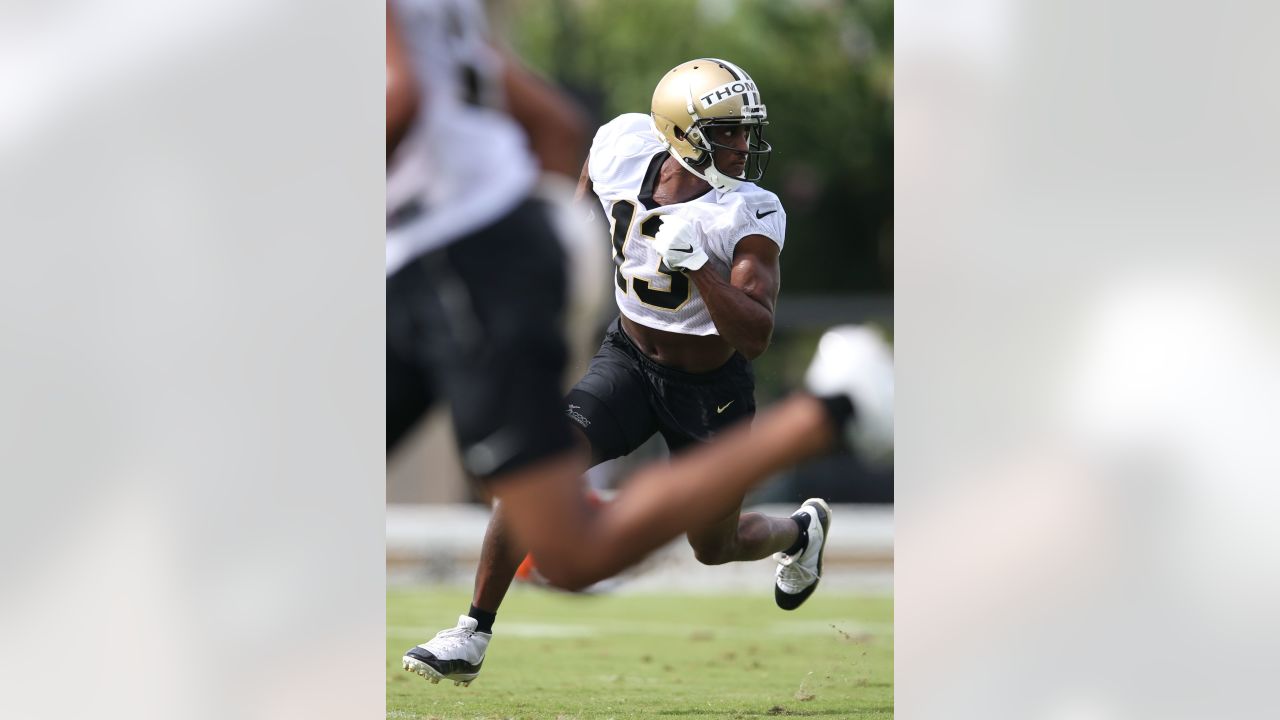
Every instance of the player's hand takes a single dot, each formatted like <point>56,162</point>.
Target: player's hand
<point>854,361</point>
<point>679,244</point>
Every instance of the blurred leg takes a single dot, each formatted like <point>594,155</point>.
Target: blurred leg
<point>737,536</point>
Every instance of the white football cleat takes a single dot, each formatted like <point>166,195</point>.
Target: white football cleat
<point>855,361</point>
<point>798,575</point>
<point>454,654</point>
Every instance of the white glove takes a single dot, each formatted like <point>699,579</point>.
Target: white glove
<point>678,243</point>
<point>856,362</point>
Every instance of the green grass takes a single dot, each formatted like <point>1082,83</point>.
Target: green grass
<point>568,657</point>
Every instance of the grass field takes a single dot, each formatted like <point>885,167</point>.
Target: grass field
<point>644,656</point>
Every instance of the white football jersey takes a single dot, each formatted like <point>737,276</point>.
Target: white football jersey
<point>625,158</point>
<point>465,163</point>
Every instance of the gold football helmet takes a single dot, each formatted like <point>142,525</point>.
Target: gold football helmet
<point>699,97</point>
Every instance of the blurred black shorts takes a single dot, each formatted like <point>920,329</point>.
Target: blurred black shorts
<point>626,397</point>
<point>478,324</point>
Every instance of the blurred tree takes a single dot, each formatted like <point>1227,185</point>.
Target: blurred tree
<point>825,70</point>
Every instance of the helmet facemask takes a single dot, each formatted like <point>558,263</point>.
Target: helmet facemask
<point>705,136</point>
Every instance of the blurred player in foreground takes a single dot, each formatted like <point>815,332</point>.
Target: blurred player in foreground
<point>476,290</point>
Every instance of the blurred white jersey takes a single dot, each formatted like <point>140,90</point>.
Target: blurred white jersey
<point>625,158</point>
<point>465,163</point>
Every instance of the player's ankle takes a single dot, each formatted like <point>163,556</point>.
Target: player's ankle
<point>802,535</point>
<point>484,619</point>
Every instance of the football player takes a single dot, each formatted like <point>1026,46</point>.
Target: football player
<point>476,286</point>
<point>696,275</point>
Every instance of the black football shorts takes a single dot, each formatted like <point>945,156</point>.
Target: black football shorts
<point>478,324</point>
<point>626,397</point>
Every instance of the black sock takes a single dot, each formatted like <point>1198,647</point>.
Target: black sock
<point>484,619</point>
<point>802,538</point>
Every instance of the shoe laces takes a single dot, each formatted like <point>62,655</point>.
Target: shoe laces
<point>452,638</point>
<point>792,572</point>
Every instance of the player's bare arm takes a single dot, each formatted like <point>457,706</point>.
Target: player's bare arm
<point>584,190</point>
<point>402,89</point>
<point>556,127</point>
<point>742,307</point>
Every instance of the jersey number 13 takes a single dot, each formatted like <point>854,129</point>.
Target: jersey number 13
<point>677,293</point>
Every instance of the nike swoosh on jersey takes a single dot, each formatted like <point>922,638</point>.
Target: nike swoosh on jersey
<point>763,214</point>
<point>722,408</point>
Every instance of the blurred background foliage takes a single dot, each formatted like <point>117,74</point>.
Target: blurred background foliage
<point>825,71</point>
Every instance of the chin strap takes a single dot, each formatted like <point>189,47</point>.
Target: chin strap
<point>718,180</point>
